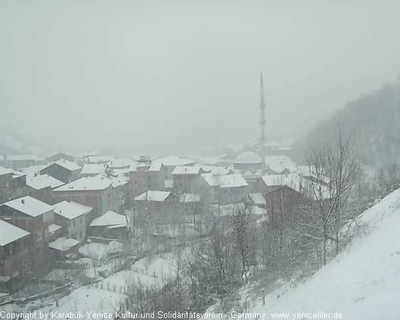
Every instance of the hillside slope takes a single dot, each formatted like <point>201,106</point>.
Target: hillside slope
<point>362,282</point>
<point>373,120</point>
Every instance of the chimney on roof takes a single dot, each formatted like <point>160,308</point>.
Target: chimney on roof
<point>22,201</point>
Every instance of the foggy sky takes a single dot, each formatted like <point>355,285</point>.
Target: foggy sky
<point>154,76</point>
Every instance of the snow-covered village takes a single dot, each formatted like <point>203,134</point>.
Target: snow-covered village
<point>198,160</point>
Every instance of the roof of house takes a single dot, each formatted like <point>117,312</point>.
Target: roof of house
<point>4,171</point>
<point>99,159</point>
<point>189,198</point>
<point>69,165</point>
<point>152,195</point>
<point>292,180</point>
<point>93,168</point>
<point>32,170</point>
<point>155,166</point>
<point>280,163</point>
<point>63,244</point>
<point>187,170</point>
<point>29,206</point>
<point>53,228</point>
<point>43,181</point>
<point>172,161</point>
<point>257,198</point>
<point>10,233</point>
<point>224,181</point>
<point>110,218</point>
<point>87,183</point>
<point>71,210</point>
<point>121,163</point>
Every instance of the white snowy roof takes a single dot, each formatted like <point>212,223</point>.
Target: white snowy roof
<point>4,171</point>
<point>53,228</point>
<point>249,157</point>
<point>110,218</point>
<point>32,170</point>
<point>29,206</point>
<point>10,233</point>
<point>121,163</point>
<point>71,210</point>
<point>155,166</point>
<point>63,244</point>
<point>292,180</point>
<point>280,163</point>
<point>151,195</point>
<point>189,198</point>
<point>43,181</point>
<point>99,159</point>
<point>225,181</point>
<point>69,165</point>
<point>172,161</point>
<point>88,183</point>
<point>186,170</point>
<point>93,169</point>
<point>257,198</point>
<point>220,171</point>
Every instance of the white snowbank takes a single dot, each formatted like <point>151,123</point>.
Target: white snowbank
<point>362,282</point>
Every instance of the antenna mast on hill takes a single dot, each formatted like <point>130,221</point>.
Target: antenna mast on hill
<point>262,124</point>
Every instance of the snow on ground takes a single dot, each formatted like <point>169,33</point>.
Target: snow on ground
<point>160,266</point>
<point>98,251</point>
<point>362,282</point>
<point>88,299</point>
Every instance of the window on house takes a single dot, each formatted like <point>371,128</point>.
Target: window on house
<point>39,237</point>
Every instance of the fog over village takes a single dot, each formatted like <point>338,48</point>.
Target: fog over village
<point>198,159</point>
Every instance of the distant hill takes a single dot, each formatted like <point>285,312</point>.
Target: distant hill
<point>374,123</point>
<point>12,142</point>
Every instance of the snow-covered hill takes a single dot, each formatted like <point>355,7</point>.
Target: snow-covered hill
<point>362,282</point>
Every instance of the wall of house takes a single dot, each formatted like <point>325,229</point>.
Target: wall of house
<point>182,182</point>
<point>15,257</point>
<point>38,227</point>
<point>281,204</point>
<point>60,173</point>
<point>75,228</point>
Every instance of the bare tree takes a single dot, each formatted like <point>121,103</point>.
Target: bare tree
<point>333,172</point>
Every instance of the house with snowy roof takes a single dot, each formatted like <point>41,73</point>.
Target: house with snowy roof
<point>223,189</point>
<point>15,259</point>
<point>183,177</point>
<point>110,225</point>
<point>72,217</point>
<point>20,161</point>
<point>12,184</point>
<point>63,170</point>
<point>92,169</point>
<point>36,217</point>
<point>101,193</point>
<point>146,175</point>
<point>160,205</point>
<point>170,162</point>
<point>60,156</point>
<point>41,187</point>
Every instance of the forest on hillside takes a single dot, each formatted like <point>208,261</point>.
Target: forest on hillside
<point>372,120</point>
